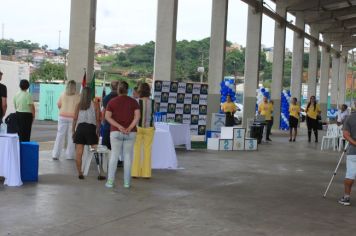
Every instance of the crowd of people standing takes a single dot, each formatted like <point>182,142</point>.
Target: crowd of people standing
<point>125,125</point>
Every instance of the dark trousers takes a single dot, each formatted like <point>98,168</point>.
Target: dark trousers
<point>24,123</point>
<point>269,124</point>
<point>312,124</point>
<point>106,137</point>
<point>229,119</point>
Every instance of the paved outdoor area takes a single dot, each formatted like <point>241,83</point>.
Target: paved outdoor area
<point>274,191</point>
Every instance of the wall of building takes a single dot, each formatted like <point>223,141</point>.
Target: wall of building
<point>13,72</point>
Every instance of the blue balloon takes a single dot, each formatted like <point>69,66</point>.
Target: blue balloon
<point>263,90</point>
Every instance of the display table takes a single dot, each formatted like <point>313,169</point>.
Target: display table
<point>163,152</point>
<point>180,133</point>
<point>10,159</point>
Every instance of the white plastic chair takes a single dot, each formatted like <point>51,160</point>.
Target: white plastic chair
<point>88,157</point>
<point>331,137</point>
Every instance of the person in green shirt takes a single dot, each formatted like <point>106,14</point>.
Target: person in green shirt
<point>25,111</point>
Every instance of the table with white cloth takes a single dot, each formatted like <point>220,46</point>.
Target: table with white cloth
<point>10,159</point>
<point>163,152</point>
<point>180,133</point>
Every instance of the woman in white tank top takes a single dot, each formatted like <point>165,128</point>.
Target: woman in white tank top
<point>86,123</point>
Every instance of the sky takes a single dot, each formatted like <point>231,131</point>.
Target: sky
<point>124,21</point>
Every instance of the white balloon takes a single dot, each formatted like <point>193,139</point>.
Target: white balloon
<point>227,83</point>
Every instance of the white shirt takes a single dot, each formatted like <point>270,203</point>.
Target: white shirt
<point>341,116</point>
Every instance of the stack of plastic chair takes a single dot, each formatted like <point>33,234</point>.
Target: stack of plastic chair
<point>331,137</point>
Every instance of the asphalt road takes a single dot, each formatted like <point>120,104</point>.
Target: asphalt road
<point>44,131</point>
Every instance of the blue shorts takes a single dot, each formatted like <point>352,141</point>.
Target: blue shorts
<point>350,167</point>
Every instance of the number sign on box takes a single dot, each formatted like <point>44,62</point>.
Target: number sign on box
<point>239,133</point>
<point>250,144</point>
<point>225,144</point>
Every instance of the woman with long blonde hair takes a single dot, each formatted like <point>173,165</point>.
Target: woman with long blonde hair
<point>66,104</point>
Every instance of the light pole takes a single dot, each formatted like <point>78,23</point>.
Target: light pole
<point>201,68</point>
<point>59,39</point>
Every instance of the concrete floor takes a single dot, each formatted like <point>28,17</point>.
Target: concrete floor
<point>274,191</point>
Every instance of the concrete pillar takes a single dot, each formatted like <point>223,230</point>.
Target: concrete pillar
<point>252,61</point>
<point>165,51</point>
<point>81,39</point>
<point>335,77</point>
<point>324,79</point>
<point>313,62</point>
<point>216,54</point>
<point>297,59</point>
<point>342,77</point>
<point>278,63</point>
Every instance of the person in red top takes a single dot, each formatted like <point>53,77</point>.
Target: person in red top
<point>123,114</point>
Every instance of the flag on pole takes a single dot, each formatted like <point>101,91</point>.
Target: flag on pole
<point>104,88</point>
<point>84,81</point>
<point>92,87</point>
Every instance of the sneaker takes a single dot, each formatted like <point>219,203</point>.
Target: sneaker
<point>345,201</point>
<point>55,158</point>
<point>126,185</point>
<point>109,183</point>
<point>268,139</point>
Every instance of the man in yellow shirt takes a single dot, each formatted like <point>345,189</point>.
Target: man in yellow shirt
<point>229,108</point>
<point>265,109</point>
<point>313,110</point>
<point>294,112</point>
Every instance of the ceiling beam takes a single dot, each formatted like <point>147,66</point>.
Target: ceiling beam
<point>311,5</point>
<point>345,24</point>
<point>258,5</point>
<point>338,13</point>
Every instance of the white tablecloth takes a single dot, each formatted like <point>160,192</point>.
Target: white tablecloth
<point>163,152</point>
<point>180,133</point>
<point>10,159</point>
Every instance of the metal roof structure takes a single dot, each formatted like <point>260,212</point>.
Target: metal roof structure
<point>333,18</point>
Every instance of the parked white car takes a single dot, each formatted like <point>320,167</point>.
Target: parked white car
<point>238,114</point>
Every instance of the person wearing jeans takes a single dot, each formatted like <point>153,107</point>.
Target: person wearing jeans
<point>121,143</point>
<point>123,114</point>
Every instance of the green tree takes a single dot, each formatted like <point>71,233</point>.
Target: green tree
<point>48,72</point>
<point>8,46</point>
<point>235,62</point>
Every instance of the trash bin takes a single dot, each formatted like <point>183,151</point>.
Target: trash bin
<point>257,132</point>
<point>29,154</point>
